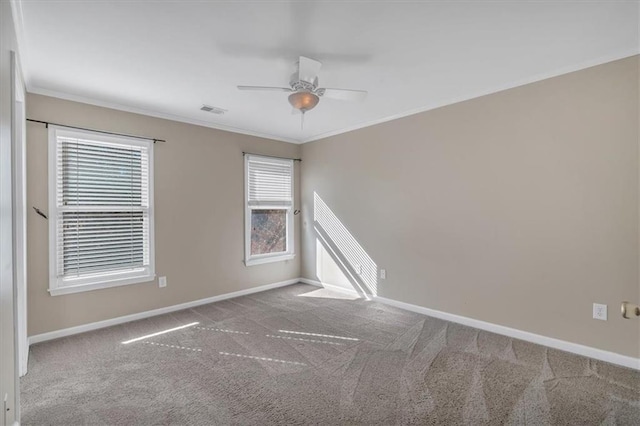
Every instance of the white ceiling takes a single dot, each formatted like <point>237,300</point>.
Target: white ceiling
<point>167,58</point>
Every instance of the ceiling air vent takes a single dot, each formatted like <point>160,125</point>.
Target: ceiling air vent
<point>212,109</point>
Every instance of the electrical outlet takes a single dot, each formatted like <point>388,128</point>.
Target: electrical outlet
<point>383,274</point>
<point>600,311</point>
<point>162,282</point>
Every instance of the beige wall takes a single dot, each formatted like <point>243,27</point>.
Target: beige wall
<point>199,225</point>
<point>519,208</point>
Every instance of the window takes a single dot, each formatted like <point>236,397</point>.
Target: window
<point>100,210</point>
<point>269,209</point>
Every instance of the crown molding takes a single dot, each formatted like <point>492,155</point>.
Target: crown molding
<point>539,77</point>
<point>16,10</point>
<point>156,114</point>
<point>544,76</point>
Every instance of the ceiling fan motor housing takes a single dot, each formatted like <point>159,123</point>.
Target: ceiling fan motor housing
<point>297,84</point>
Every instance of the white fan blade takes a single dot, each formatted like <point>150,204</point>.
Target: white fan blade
<point>308,69</point>
<point>343,94</point>
<point>266,88</point>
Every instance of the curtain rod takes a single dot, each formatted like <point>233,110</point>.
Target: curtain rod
<point>271,156</point>
<point>47,123</point>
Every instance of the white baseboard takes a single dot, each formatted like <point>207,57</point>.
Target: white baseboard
<point>588,351</point>
<point>575,348</point>
<point>133,317</point>
<point>599,354</point>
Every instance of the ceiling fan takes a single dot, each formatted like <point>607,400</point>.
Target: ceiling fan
<point>305,93</point>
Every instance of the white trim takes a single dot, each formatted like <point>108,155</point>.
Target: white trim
<point>563,345</point>
<point>146,314</point>
<point>599,354</point>
<point>52,213</point>
<point>18,126</point>
<point>167,116</point>
<point>575,348</point>
<point>69,289</point>
<point>269,259</point>
<point>539,77</point>
<point>156,114</point>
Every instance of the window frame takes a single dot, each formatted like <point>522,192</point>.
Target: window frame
<point>259,259</point>
<point>96,281</point>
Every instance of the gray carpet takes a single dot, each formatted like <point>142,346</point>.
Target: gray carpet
<point>297,355</point>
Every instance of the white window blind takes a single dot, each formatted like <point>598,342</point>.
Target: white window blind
<point>103,209</point>
<point>270,181</point>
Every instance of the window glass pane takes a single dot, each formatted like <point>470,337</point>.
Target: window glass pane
<point>268,231</point>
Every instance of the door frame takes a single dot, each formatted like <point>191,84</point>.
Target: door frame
<point>18,130</point>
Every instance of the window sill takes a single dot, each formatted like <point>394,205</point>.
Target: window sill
<point>99,285</point>
<point>268,259</point>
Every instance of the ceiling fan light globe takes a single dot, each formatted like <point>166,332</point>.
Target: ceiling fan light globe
<point>303,101</point>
